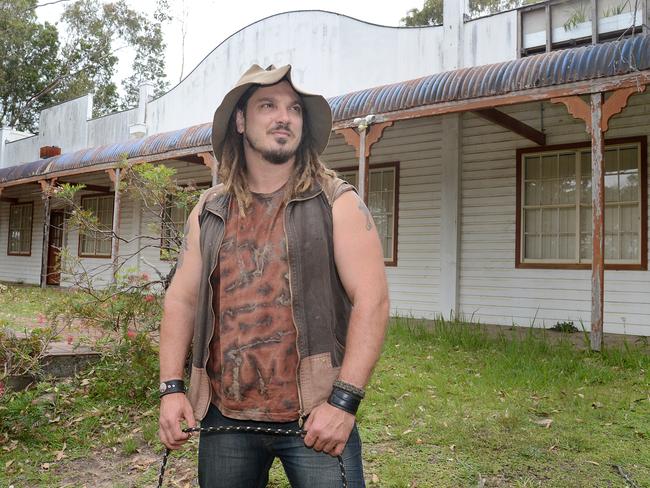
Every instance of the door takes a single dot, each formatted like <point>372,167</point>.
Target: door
<point>54,249</point>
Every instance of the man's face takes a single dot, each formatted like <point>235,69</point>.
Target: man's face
<point>272,122</point>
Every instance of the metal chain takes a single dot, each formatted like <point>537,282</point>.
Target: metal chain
<point>247,429</point>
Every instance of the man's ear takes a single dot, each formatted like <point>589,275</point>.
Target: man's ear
<point>240,121</point>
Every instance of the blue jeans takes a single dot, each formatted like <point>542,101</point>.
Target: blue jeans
<point>243,460</point>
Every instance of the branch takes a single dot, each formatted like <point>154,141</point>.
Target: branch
<point>45,4</point>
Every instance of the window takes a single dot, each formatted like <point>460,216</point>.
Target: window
<point>382,202</point>
<point>555,213</point>
<point>173,224</point>
<point>97,243</point>
<point>20,229</point>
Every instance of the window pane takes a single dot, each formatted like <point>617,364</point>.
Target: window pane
<point>568,220</point>
<point>585,189</point>
<point>389,176</point>
<point>568,165</point>
<point>585,163</point>
<point>567,190</point>
<point>567,246</point>
<point>532,247</point>
<point>549,247</point>
<point>550,221</point>
<point>532,193</point>
<point>630,218</point>
<point>628,159</point>
<point>550,192</point>
<point>549,166</point>
<point>611,246</point>
<point>375,180</point>
<point>630,246</point>
<point>532,167</point>
<point>585,219</point>
<point>629,174</point>
<point>532,221</point>
<point>611,219</point>
<point>585,246</point>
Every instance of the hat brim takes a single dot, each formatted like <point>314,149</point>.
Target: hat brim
<point>318,111</point>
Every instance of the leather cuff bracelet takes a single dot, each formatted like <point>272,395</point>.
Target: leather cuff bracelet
<point>360,392</point>
<point>171,386</point>
<point>344,400</point>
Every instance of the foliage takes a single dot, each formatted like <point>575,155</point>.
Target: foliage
<point>128,306</point>
<point>450,404</point>
<point>617,9</point>
<point>431,11</point>
<point>29,61</point>
<point>578,16</point>
<point>20,355</point>
<point>565,327</point>
<point>42,65</point>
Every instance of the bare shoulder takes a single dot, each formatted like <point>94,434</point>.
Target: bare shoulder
<point>350,209</point>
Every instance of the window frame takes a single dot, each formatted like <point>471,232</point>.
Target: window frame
<point>31,229</point>
<point>643,175</point>
<point>396,166</point>
<point>94,256</point>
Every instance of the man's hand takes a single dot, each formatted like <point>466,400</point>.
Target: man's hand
<point>328,429</point>
<point>174,408</point>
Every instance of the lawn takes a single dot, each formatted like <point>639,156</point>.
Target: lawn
<point>448,406</point>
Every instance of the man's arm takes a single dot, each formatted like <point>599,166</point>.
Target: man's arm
<point>360,264</point>
<point>176,330</point>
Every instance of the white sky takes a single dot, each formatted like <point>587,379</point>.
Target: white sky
<point>209,22</point>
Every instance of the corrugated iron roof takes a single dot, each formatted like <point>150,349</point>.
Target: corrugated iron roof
<point>543,70</point>
<point>158,144</point>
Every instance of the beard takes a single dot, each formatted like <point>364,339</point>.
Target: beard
<point>273,156</point>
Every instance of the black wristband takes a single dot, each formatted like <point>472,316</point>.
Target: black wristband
<point>346,401</point>
<point>171,386</point>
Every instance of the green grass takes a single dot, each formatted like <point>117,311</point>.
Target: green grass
<point>23,303</point>
<point>447,406</point>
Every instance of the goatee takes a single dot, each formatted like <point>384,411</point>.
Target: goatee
<point>278,156</point>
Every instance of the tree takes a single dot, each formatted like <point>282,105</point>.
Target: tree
<point>82,57</point>
<point>431,11</point>
<point>28,62</point>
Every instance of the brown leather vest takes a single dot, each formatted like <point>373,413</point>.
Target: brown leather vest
<point>320,305</point>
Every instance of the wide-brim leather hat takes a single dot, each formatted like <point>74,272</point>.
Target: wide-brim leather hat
<point>317,110</point>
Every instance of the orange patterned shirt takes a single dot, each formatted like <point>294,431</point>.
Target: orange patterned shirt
<point>253,358</point>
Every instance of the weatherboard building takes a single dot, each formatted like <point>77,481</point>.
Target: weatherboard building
<point>478,146</point>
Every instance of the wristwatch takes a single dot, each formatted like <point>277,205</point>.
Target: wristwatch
<point>171,386</point>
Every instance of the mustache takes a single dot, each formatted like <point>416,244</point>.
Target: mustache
<point>281,126</point>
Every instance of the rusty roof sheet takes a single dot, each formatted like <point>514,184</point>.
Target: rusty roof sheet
<point>177,142</point>
<point>543,70</point>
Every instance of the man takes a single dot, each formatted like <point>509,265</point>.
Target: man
<point>281,288</point>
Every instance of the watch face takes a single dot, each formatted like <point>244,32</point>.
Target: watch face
<point>163,387</point>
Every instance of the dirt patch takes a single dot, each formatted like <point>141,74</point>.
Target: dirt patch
<point>109,468</point>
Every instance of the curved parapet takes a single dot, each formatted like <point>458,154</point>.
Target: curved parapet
<point>331,54</point>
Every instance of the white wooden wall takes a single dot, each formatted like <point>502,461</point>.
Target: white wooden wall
<point>491,289</point>
<point>22,269</point>
<point>415,144</point>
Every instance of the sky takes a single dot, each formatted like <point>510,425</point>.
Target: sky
<point>209,22</point>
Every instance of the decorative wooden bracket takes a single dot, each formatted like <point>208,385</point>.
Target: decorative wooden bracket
<point>614,104</point>
<point>208,159</point>
<point>518,127</point>
<point>373,135</point>
<point>112,175</point>
<point>47,186</point>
